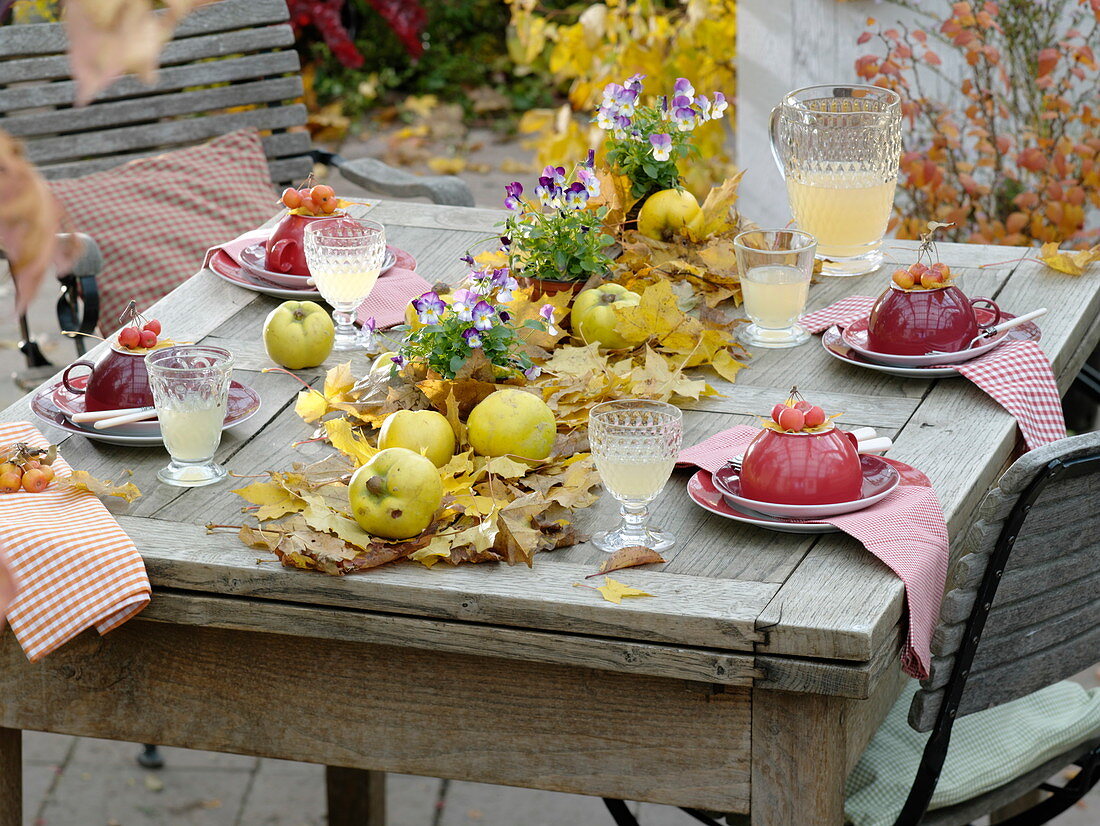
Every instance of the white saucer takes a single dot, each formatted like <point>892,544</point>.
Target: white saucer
<point>703,493</point>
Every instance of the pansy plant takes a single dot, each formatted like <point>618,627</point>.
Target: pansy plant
<point>452,327</point>
<point>557,237</point>
<point>645,141</point>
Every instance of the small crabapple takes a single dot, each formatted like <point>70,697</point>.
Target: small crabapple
<point>129,337</point>
<point>815,417</point>
<point>930,280</point>
<point>34,480</point>
<point>802,405</point>
<point>792,419</point>
<point>154,325</point>
<point>777,412</point>
<point>942,269</point>
<point>291,198</point>
<point>904,279</point>
<point>148,339</point>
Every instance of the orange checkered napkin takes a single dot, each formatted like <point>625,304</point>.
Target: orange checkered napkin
<point>75,566</point>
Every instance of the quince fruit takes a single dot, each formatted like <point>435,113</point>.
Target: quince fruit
<point>666,212</point>
<point>298,334</point>
<point>396,494</point>
<point>595,319</point>
<point>421,431</point>
<point>513,423</point>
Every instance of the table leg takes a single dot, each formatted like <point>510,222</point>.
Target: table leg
<point>356,797</point>
<point>798,759</point>
<point>11,777</point>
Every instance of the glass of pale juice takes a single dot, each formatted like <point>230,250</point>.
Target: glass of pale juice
<point>190,385</point>
<point>635,443</point>
<point>345,256</point>
<point>775,267</point>
<point>838,147</point>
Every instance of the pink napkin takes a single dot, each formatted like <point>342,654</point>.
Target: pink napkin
<point>238,245</point>
<point>391,295</point>
<point>1016,374</point>
<point>906,531</point>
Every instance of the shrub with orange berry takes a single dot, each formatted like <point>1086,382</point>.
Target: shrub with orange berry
<point>1014,158</point>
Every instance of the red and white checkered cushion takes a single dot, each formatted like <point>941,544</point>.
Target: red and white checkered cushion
<point>154,218</point>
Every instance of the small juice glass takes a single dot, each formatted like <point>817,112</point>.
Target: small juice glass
<point>190,385</point>
<point>775,266</point>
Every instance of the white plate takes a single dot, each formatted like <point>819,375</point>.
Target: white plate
<point>704,494</point>
<point>856,336</point>
<point>835,346</point>
<point>879,479</point>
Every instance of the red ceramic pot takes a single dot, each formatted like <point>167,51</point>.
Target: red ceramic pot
<point>918,322</point>
<point>802,468</point>
<point>285,249</point>
<point>118,379</point>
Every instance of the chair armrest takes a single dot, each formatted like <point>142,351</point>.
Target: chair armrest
<point>388,180</point>
<point>79,285</point>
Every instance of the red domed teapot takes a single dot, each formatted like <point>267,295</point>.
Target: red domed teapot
<point>285,248</point>
<point>118,379</point>
<point>805,468</point>
<point>921,312</point>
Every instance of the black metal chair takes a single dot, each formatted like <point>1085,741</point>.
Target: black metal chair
<point>1021,612</point>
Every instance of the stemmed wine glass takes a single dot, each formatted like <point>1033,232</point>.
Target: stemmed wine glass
<point>635,443</point>
<point>345,256</point>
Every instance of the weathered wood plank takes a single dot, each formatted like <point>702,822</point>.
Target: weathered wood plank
<point>11,776</point>
<point>50,38</point>
<point>355,797</point>
<point>174,53</point>
<point>800,675</point>
<point>268,617</point>
<point>169,79</point>
<point>396,709</point>
<point>153,107</point>
<point>694,611</point>
<point>798,743</point>
<point>168,133</point>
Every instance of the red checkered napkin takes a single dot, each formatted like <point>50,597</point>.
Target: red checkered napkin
<point>842,313</point>
<point>75,566</point>
<point>906,531</point>
<point>1018,376</point>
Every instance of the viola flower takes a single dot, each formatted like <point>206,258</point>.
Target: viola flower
<point>429,308</point>
<point>473,340</point>
<point>555,173</point>
<point>546,312</point>
<point>462,304</point>
<point>592,183</point>
<point>505,242</point>
<point>504,316</point>
<point>718,105</point>
<point>504,284</point>
<point>549,193</point>
<point>512,192</point>
<point>482,315</point>
<point>590,161</point>
<point>684,118</point>
<point>399,360</point>
<point>662,146</point>
<point>622,123</point>
<point>370,325</point>
<point>702,104</point>
<point>605,118</point>
<point>467,259</point>
<point>576,196</point>
<point>634,83</point>
<point>532,372</point>
<point>683,87</point>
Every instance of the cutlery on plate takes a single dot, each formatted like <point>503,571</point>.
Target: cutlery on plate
<point>989,332</point>
<point>98,415</point>
<point>129,418</point>
<point>869,442</point>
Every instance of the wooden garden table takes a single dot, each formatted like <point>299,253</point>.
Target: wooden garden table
<point>750,681</point>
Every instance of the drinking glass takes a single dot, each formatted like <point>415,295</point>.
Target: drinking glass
<point>345,256</point>
<point>635,444</point>
<point>775,266</point>
<point>190,385</point>
<point>838,148</point>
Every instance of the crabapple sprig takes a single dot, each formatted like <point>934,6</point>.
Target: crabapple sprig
<point>316,200</point>
<point>138,333</point>
<point>922,276</point>
<point>797,415</point>
<point>23,467</point>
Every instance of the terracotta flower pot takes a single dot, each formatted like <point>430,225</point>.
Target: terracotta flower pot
<point>545,286</point>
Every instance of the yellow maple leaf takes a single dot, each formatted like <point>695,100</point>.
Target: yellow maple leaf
<point>726,365</point>
<point>718,212</point>
<point>614,591</point>
<point>343,437</point>
<point>82,480</point>
<point>1071,263</point>
<point>274,499</point>
<point>657,316</point>
<point>491,259</point>
<point>575,362</point>
<point>311,405</point>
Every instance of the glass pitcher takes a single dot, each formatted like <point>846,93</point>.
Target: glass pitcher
<point>838,149</point>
